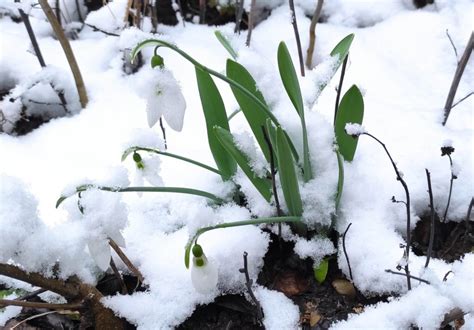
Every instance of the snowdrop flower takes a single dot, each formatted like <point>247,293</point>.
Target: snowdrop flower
<point>147,169</point>
<point>203,273</point>
<point>164,98</point>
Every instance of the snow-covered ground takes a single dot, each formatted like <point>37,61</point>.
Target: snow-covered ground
<point>400,58</point>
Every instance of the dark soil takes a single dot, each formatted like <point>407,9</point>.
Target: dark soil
<point>451,239</point>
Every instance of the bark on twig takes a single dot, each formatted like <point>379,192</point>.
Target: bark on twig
<point>32,304</point>
<point>251,22</point>
<point>345,251</point>
<point>457,77</point>
<point>248,284</point>
<point>432,222</point>
<point>410,276</point>
<point>297,36</point>
<point>312,34</point>
<point>126,261</point>
<point>81,90</point>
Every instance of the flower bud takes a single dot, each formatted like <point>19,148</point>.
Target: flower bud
<point>157,60</point>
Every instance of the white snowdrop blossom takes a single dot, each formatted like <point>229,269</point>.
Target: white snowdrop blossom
<point>164,98</point>
<point>203,273</point>
<point>354,129</point>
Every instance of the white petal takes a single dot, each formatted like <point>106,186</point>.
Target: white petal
<point>154,105</point>
<point>174,114</point>
<point>117,237</point>
<point>204,278</point>
<point>100,252</point>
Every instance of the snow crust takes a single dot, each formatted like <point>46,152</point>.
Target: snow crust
<point>405,89</point>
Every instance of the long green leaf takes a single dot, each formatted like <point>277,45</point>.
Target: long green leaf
<point>179,190</point>
<point>225,42</point>
<point>292,87</point>
<point>341,50</point>
<point>214,113</point>
<point>255,117</point>
<point>287,172</point>
<point>340,179</point>
<point>351,110</point>
<point>262,185</point>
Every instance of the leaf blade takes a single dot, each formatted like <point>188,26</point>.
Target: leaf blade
<point>351,110</point>
<point>225,42</point>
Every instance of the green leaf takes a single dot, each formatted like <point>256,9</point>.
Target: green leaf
<point>351,110</point>
<point>214,113</point>
<point>225,42</point>
<point>342,48</point>
<point>287,172</point>
<point>255,117</point>
<point>292,87</point>
<point>263,185</point>
<point>340,179</point>
<point>321,271</point>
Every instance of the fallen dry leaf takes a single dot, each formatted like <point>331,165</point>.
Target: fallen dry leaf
<point>344,287</point>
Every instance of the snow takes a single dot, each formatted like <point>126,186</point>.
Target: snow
<point>400,56</point>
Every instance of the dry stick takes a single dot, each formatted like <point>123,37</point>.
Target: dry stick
<point>407,205</point>
<point>457,78</point>
<point>248,284</point>
<point>297,36</point>
<point>96,29</point>
<point>462,99</point>
<point>118,276</point>
<point>31,34</point>
<point>164,133</point>
<point>450,187</point>
<point>31,294</point>
<point>432,226</point>
<point>238,16</point>
<point>408,276</point>
<point>33,317</point>
<point>79,13</point>
<point>81,90</point>
<point>452,44</point>
<point>58,12</point>
<point>339,88</point>
<point>273,175</point>
<point>445,278</point>
<point>345,252</point>
<point>251,22</point>
<point>125,260</point>
<point>202,11</point>
<point>31,304</point>
<point>312,34</point>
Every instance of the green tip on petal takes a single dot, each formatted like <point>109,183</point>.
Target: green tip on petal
<point>199,262</point>
<point>197,251</point>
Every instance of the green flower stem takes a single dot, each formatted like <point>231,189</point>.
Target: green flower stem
<point>169,154</point>
<point>150,42</point>
<point>258,221</point>
<point>233,114</point>
<point>179,190</point>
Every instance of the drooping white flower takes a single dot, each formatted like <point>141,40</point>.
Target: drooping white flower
<point>164,98</point>
<point>203,273</point>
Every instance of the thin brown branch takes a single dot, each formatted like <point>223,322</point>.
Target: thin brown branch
<point>118,276</point>
<point>407,275</point>
<point>432,222</point>
<point>238,16</point>
<point>31,294</point>
<point>31,304</point>
<point>457,77</point>
<point>125,260</point>
<point>297,36</point>
<point>251,22</point>
<point>312,34</point>
<point>339,88</point>
<point>462,99</point>
<point>81,90</point>
<point>345,252</point>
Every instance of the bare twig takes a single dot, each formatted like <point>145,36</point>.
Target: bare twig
<point>462,99</point>
<point>202,11</point>
<point>58,12</point>
<point>312,34</point>
<point>32,36</point>
<point>410,276</point>
<point>79,13</point>
<point>118,276</point>
<point>238,16</point>
<point>445,278</point>
<point>31,294</point>
<point>33,317</point>
<point>339,88</point>
<point>454,47</point>
<point>273,174</point>
<point>450,188</point>
<point>297,36</point>
<point>67,51</point>
<point>96,29</point>
<point>248,284</point>
<point>345,251</point>
<point>164,133</point>
<point>457,77</point>
<point>31,304</point>
<point>126,261</point>
<point>407,205</point>
<point>251,22</point>
<point>432,226</point>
